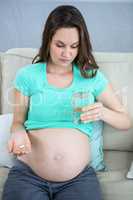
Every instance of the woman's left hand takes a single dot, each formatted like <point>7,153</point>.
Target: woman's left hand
<point>92,112</point>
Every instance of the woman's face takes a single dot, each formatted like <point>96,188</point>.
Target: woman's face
<point>64,46</point>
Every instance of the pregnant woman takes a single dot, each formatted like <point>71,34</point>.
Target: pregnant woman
<point>52,152</point>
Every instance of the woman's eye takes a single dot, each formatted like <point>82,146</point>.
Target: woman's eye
<point>59,45</point>
<point>75,47</point>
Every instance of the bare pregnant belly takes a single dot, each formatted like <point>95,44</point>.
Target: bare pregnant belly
<point>58,154</point>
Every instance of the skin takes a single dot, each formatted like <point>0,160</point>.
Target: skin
<point>64,48</point>
<point>51,153</point>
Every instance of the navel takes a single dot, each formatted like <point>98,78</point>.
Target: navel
<point>58,157</point>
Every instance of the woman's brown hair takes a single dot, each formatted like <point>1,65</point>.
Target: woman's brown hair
<point>67,16</point>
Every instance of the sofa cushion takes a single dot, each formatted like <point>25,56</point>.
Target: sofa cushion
<point>6,158</point>
<point>118,160</point>
<point>11,61</point>
<point>118,67</point>
<point>96,144</point>
<point>115,186</point>
<point>3,176</point>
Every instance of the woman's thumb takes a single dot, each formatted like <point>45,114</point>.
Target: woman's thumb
<point>10,146</point>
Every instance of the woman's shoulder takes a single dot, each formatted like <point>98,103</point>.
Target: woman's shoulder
<point>100,76</point>
<point>27,78</point>
<point>30,71</point>
<point>30,68</point>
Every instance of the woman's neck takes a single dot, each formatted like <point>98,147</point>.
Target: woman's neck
<point>54,69</point>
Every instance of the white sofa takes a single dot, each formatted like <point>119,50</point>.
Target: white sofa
<point>118,145</point>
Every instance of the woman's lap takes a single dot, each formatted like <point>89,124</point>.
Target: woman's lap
<point>22,183</point>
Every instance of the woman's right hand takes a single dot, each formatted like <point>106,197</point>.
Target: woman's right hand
<point>19,143</point>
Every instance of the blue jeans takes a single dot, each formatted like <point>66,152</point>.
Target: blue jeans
<point>23,184</point>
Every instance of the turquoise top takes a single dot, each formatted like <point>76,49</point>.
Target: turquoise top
<point>51,107</point>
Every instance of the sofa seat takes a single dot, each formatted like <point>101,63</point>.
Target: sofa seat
<point>115,185</point>
<point>3,176</point>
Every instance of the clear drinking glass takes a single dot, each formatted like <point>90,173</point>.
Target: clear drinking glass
<point>79,100</point>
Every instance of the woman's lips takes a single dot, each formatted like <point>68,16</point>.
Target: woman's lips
<point>64,60</point>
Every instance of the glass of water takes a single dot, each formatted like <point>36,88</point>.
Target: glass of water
<point>79,100</point>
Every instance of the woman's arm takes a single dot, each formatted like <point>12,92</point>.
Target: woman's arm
<point>113,112</point>
<point>20,111</point>
<point>19,136</point>
<point>109,109</point>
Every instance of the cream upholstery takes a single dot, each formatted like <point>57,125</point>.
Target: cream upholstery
<point>118,145</point>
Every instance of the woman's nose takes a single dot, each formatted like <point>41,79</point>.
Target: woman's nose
<point>66,53</point>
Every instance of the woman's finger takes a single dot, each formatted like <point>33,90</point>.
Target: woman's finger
<point>10,146</point>
<point>91,112</point>
<point>92,106</point>
<point>19,151</point>
<point>89,118</point>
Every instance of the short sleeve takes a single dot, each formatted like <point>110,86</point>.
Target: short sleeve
<point>100,83</point>
<point>22,82</point>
